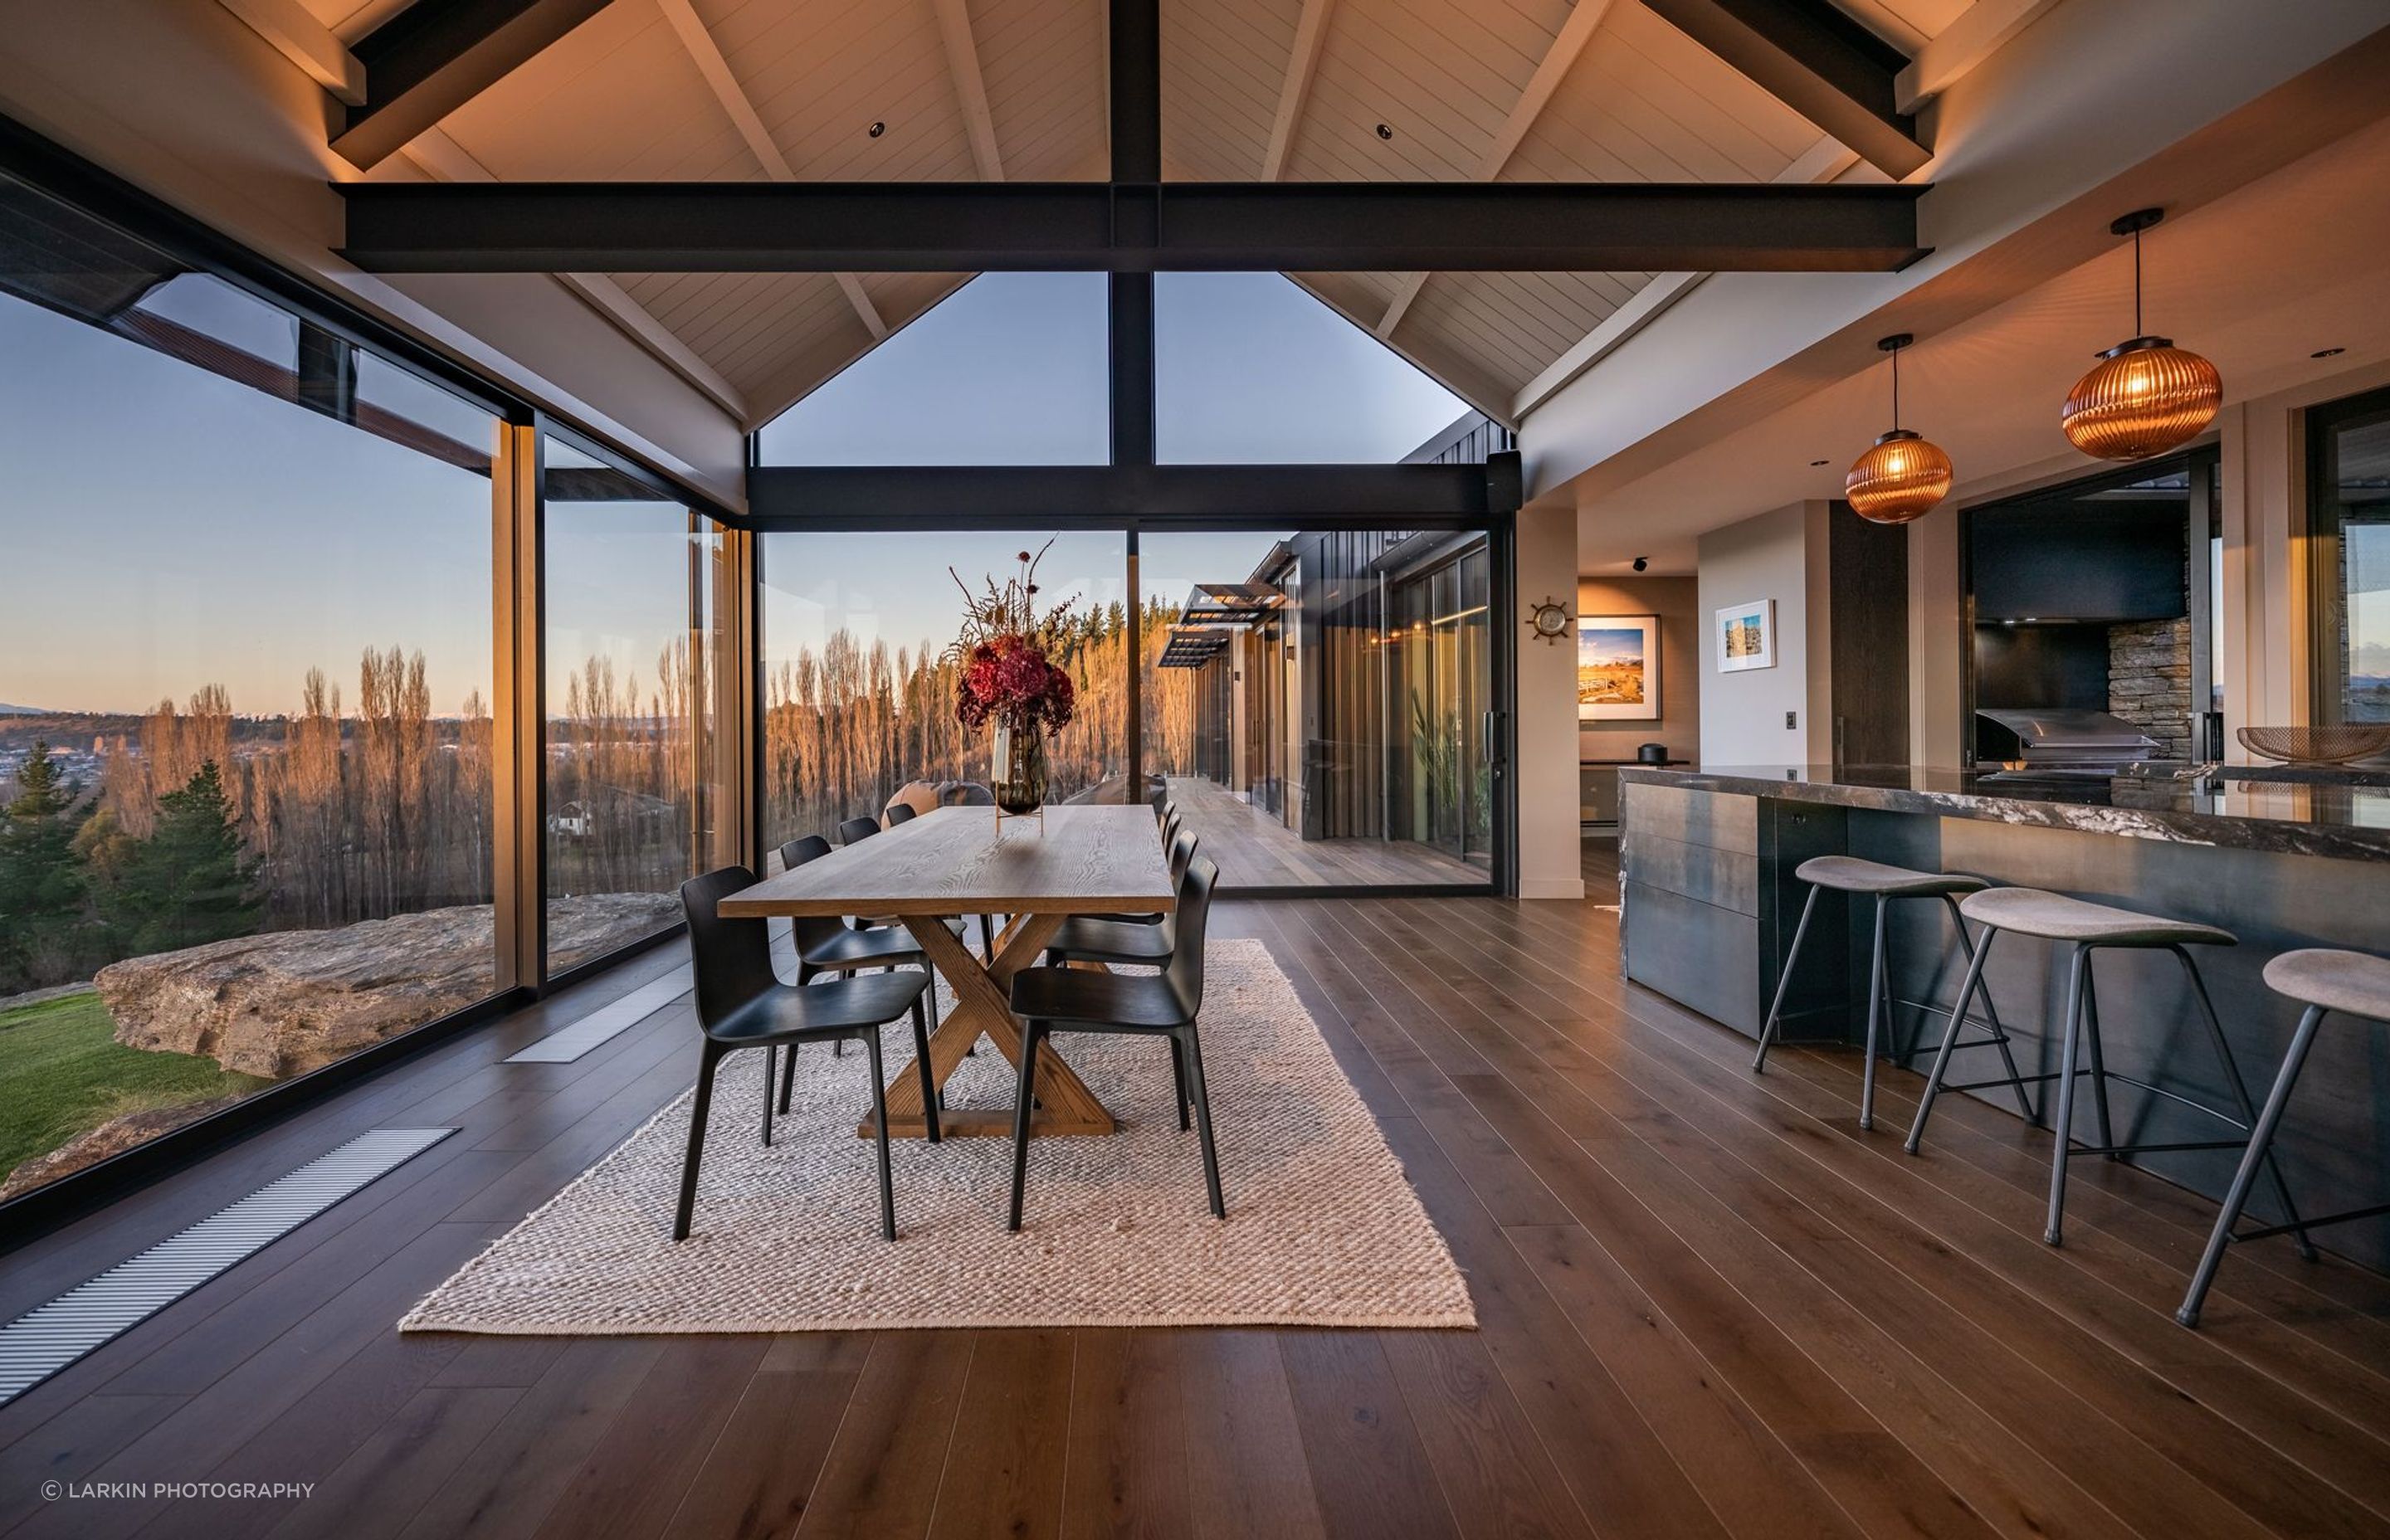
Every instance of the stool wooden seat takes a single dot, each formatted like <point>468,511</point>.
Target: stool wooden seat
<point>2324,979</point>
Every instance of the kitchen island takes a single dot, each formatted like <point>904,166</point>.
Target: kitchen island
<point>2283,860</point>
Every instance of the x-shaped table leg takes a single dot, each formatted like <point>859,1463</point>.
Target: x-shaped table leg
<point>984,1007</point>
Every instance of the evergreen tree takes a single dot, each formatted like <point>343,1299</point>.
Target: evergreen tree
<point>41,882</point>
<point>190,882</point>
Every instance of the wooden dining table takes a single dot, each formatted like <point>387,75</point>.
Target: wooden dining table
<point>1077,859</point>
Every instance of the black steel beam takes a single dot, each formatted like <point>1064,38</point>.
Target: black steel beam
<point>1179,227</point>
<point>1133,79</point>
<point>928,497</point>
<point>1816,60</point>
<point>1129,347</point>
<point>435,56</point>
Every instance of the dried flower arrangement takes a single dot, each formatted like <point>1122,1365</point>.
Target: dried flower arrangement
<point>1013,660</point>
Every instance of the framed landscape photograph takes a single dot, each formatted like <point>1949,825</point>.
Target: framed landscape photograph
<point>1617,668</point>
<point>1746,636</point>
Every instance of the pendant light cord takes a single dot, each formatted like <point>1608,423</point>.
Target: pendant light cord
<point>1896,390</point>
<point>2136,281</point>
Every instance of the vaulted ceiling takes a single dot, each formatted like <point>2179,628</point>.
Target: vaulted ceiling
<point>1300,90</point>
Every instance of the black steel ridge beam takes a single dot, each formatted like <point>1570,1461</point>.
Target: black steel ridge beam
<point>435,56</point>
<point>916,497</point>
<point>1815,60</point>
<point>1094,226</point>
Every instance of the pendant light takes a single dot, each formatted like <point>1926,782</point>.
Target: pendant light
<point>1903,475</point>
<point>2146,395</point>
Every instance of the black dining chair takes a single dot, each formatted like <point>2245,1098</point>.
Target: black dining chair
<point>826,946</point>
<point>901,813</point>
<point>742,1003</point>
<point>1115,939</point>
<point>1051,1000</point>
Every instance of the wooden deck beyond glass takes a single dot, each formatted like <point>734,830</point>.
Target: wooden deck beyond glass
<point>1711,1308</point>
<point>1256,850</point>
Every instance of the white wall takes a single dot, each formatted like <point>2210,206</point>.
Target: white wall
<point>1778,556</point>
<point>1550,859</point>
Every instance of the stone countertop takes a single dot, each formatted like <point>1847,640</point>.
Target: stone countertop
<point>2344,817</point>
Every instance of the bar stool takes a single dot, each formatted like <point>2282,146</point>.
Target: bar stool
<point>2324,979</point>
<point>2088,925</point>
<point>1850,873</point>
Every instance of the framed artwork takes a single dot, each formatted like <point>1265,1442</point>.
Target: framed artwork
<point>1746,636</point>
<point>1617,668</point>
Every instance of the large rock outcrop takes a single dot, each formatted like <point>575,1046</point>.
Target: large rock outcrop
<point>283,1004</point>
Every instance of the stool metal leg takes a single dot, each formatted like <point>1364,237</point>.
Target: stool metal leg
<point>2078,975</point>
<point>2099,1064</point>
<point>1876,1013</point>
<point>2241,1094</point>
<point>1776,1006</point>
<point>1992,1014</point>
<point>2260,1150</point>
<point>1973,981</point>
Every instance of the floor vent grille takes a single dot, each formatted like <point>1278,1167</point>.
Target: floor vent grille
<point>608,1022</point>
<point>47,1338</point>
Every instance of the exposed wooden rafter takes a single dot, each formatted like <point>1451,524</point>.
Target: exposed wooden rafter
<point>707,56</point>
<point>1816,60</point>
<point>971,91</point>
<point>443,159</point>
<point>305,42</point>
<point>1575,34</point>
<point>1975,35</point>
<point>434,57</point>
<point>1303,62</point>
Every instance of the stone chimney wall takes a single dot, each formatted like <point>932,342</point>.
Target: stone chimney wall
<point>2149,681</point>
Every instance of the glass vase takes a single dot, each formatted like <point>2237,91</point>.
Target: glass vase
<point>1017,773</point>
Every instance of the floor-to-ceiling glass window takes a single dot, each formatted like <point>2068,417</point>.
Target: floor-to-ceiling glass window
<point>1320,701</point>
<point>245,673</point>
<point>1442,686</point>
<point>635,767</point>
<point>2349,493</point>
<point>859,676</point>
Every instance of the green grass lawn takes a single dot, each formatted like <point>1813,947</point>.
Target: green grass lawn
<point>62,1071</point>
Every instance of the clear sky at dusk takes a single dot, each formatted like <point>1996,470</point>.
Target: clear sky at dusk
<point>169,528</point>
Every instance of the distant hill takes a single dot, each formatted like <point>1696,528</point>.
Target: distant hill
<point>6,709</point>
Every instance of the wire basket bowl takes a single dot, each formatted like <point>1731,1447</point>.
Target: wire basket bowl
<point>2338,745</point>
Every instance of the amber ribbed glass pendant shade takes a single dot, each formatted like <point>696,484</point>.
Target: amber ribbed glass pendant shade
<point>1903,475</point>
<point>2145,397</point>
<point>1902,478</point>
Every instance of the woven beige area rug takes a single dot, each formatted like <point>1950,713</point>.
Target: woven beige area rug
<point>1322,1227</point>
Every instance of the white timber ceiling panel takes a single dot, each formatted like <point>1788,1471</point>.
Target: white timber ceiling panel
<point>1441,76</point>
<point>820,72</point>
<point>1224,65</point>
<point>1043,63</point>
<point>617,98</point>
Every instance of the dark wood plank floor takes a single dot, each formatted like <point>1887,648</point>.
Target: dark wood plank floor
<point>1711,1308</point>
